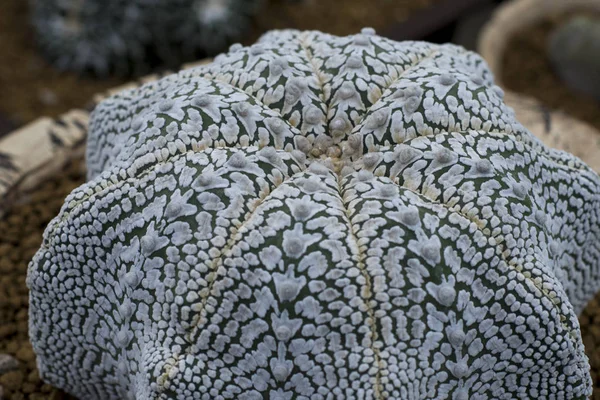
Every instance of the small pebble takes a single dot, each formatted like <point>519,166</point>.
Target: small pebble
<point>8,363</point>
<point>12,380</point>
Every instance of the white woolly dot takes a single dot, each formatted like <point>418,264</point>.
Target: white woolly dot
<point>173,210</point>
<point>447,79</point>
<point>456,337</point>
<point>312,186</point>
<point>201,100</point>
<point>278,65</point>
<point>301,212</point>
<point>347,170</point>
<point>318,169</point>
<point>460,370</point>
<point>288,289</point>
<point>303,144</point>
<point>361,40</point>
<point>280,372</point>
<point>354,61</point>
<point>355,141</point>
<point>295,88</point>
<point>412,104</point>
<point>148,244</point>
<point>364,175</point>
<point>137,123</point>
<point>498,91</point>
<point>377,119</point>
<point>204,180</point>
<point>410,216</point>
<point>338,124</point>
<point>553,249</point>
<point>446,294</point>
<point>122,367</point>
<point>399,94</point>
<point>313,115</point>
<point>242,109</point>
<point>283,333</point>
<point>269,153</point>
<point>131,279</point>
<point>165,105</point>
<point>293,247</point>
<point>126,310</point>
<point>276,125</point>
<point>540,217</point>
<point>328,163</point>
<point>122,338</point>
<point>237,160</point>
<point>347,90</point>
<point>370,160</point>
<point>368,31</point>
<point>405,155</point>
<point>235,47</point>
<point>520,190</point>
<point>388,191</point>
<point>444,156</point>
<point>477,79</point>
<point>299,156</point>
<point>430,252</point>
<point>256,49</point>
<point>483,166</point>
<point>462,394</point>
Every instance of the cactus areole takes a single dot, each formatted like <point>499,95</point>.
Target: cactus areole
<point>319,217</point>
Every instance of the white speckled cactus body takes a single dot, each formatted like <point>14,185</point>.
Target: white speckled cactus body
<point>128,36</point>
<point>319,217</point>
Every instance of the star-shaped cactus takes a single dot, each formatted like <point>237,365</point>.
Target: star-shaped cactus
<point>319,217</point>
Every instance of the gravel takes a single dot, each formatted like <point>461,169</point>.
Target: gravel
<point>20,236</point>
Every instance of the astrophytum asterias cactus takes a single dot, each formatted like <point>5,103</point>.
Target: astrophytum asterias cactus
<point>128,36</point>
<point>319,217</point>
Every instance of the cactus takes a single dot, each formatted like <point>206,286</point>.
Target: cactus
<point>124,37</point>
<point>319,217</point>
<point>574,50</point>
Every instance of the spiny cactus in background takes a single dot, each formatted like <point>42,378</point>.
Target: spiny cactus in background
<point>319,217</point>
<point>574,50</point>
<point>125,37</point>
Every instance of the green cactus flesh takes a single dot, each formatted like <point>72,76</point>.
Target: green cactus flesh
<point>319,217</point>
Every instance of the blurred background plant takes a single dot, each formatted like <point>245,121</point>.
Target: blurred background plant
<point>548,49</point>
<point>130,37</point>
<point>574,50</point>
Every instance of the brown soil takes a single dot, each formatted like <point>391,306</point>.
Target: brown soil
<point>21,235</point>
<point>527,69</point>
